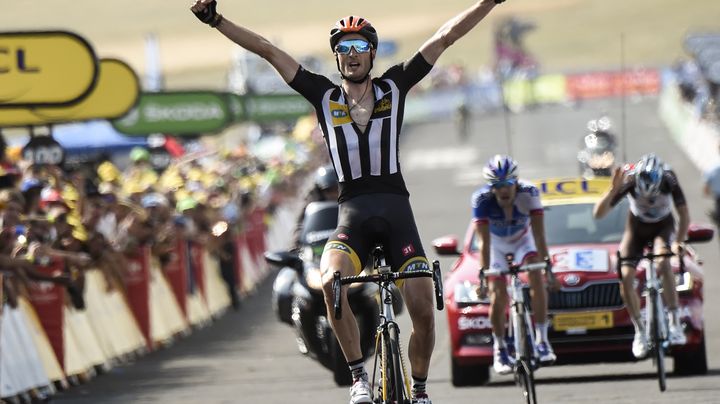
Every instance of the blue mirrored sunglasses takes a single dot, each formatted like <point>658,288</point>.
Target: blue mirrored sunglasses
<point>504,183</point>
<point>361,46</point>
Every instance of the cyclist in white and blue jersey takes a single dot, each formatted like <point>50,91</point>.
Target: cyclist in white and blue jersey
<point>508,217</point>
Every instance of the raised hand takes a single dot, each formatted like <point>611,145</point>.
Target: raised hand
<point>618,178</point>
<point>206,11</point>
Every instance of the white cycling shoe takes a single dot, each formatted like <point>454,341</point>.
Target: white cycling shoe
<point>640,346</point>
<point>421,399</point>
<point>503,363</point>
<point>546,355</point>
<point>676,335</point>
<point>360,392</point>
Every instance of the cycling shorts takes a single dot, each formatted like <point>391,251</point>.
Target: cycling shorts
<point>386,219</point>
<point>522,248</point>
<point>638,234</point>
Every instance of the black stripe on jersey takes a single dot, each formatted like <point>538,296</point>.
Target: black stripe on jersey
<point>364,146</point>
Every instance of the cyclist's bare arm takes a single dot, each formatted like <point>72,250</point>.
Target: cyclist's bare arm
<point>683,222</point>
<point>602,207</point>
<point>455,29</point>
<point>255,43</point>
<point>483,233</point>
<point>537,223</point>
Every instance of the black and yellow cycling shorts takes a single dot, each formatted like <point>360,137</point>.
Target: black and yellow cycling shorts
<point>386,219</point>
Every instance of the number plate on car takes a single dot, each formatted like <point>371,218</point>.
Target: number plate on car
<point>587,321</point>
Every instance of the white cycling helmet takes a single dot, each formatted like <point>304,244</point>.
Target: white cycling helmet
<point>648,176</point>
<point>500,169</point>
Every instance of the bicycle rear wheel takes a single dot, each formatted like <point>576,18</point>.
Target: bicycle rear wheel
<point>657,339</point>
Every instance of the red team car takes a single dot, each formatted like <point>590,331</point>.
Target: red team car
<point>589,323</point>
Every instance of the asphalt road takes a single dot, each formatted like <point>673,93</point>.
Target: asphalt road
<point>250,357</point>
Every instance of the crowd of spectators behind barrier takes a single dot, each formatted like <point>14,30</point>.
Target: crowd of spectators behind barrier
<point>94,216</point>
<point>698,77</point>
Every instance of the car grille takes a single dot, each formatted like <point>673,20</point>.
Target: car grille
<point>592,296</point>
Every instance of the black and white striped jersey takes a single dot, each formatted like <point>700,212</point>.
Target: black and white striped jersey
<point>365,162</point>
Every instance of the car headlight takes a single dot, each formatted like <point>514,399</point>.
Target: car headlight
<point>466,294</point>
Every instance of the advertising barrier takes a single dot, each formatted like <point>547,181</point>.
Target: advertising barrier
<point>166,318</point>
<point>137,282</point>
<point>48,300</point>
<point>46,339</point>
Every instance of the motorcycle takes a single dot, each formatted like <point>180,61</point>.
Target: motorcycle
<point>597,155</point>
<point>298,300</point>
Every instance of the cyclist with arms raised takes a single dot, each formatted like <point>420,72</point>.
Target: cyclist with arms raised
<point>508,217</point>
<point>652,189</point>
<point>361,120</point>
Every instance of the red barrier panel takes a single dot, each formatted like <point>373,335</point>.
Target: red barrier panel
<point>255,233</point>
<point>176,274</point>
<point>196,256</point>
<point>239,270</point>
<point>48,300</point>
<point>137,281</point>
<point>610,84</point>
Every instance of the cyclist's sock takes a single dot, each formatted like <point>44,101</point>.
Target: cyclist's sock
<point>541,330</point>
<point>419,384</point>
<point>498,342</point>
<point>358,369</point>
<point>638,324</point>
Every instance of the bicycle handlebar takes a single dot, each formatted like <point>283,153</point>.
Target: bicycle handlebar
<point>650,256</point>
<point>517,268</point>
<point>647,256</point>
<point>339,280</point>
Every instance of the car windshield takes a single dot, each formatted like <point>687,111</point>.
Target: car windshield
<point>574,224</point>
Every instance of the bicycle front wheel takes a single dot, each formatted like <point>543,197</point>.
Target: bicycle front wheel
<point>656,342</point>
<point>524,374</point>
<point>526,380</point>
<point>392,387</point>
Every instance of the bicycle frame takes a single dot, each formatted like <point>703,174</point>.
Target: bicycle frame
<point>520,327</point>
<point>656,321</point>
<point>387,341</point>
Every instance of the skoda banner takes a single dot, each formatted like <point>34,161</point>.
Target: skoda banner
<point>177,113</point>
<point>45,69</point>
<point>271,107</point>
<point>116,92</point>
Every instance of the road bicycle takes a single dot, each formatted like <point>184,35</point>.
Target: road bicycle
<point>656,321</point>
<point>520,328</point>
<point>394,385</point>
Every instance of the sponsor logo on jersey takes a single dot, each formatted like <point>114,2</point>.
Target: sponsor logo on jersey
<point>408,249</point>
<point>383,105</point>
<point>337,246</point>
<point>419,265</point>
<point>340,114</point>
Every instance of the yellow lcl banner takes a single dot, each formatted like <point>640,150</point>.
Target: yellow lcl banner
<point>117,91</point>
<point>45,68</point>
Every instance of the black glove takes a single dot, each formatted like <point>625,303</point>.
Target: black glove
<point>499,1</point>
<point>210,16</point>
